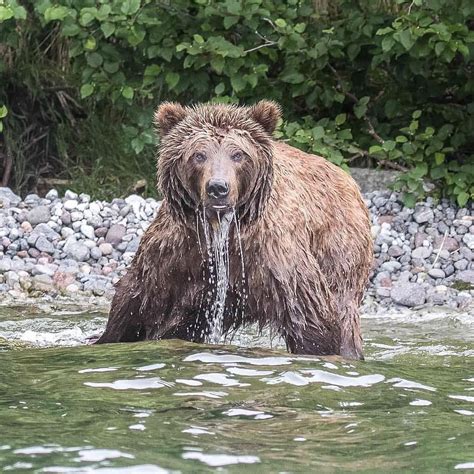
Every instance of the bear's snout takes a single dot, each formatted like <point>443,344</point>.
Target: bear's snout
<point>217,188</point>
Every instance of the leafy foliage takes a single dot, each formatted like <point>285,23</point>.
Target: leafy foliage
<point>386,83</point>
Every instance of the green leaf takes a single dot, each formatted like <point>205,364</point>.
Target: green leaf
<point>409,199</point>
<point>401,139</point>
<point>419,171</point>
<point>90,43</point>
<point>70,29</point>
<point>3,111</point>
<point>230,21</point>
<point>20,12</point>
<point>416,114</point>
<point>439,48</point>
<point>462,198</point>
<point>388,145</point>
<point>94,60</point>
<point>107,28</point>
<point>1,126</point>
<point>129,7</point>
<point>340,119</point>
<point>5,13</point>
<point>152,70</point>
<point>387,44</point>
<point>238,83</point>
<point>220,88</point>
<point>406,39</point>
<point>127,92</point>
<point>360,110</point>
<point>199,39</point>
<point>375,149</point>
<point>111,67</point>
<point>317,132</point>
<point>172,79</point>
<point>86,90</point>
<point>292,78</point>
<point>280,22</point>
<point>55,13</point>
<point>384,31</point>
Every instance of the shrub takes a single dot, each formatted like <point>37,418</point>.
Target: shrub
<point>376,83</point>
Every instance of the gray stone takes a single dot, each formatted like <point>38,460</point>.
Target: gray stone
<point>436,273</point>
<point>461,264</point>
<point>38,215</point>
<point>8,197</point>
<point>106,248</point>
<point>421,253</point>
<point>42,283</point>
<point>101,232</point>
<point>46,231</point>
<point>395,251</point>
<point>468,239</point>
<point>5,262</point>
<point>70,194</point>
<point>66,218</point>
<point>96,253</point>
<point>115,234</point>
<point>52,194</point>
<point>88,231</point>
<point>466,276</point>
<point>408,294</point>
<point>423,215</point>
<point>44,245</point>
<point>78,251</point>
<point>133,245</point>
<point>70,204</point>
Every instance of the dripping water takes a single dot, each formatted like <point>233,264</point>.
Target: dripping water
<point>220,271</point>
<point>216,239</point>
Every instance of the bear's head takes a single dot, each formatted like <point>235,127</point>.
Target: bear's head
<point>216,158</point>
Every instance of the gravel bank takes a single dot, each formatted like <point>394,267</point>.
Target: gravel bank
<point>73,246</point>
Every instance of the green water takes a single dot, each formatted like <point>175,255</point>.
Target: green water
<point>170,406</point>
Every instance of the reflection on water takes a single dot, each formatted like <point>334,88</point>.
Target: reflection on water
<point>171,406</point>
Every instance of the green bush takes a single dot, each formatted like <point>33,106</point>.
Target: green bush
<point>375,83</point>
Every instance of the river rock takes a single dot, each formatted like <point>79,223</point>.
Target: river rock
<point>8,197</point>
<point>468,239</point>
<point>436,273</point>
<point>42,283</point>
<point>78,251</point>
<point>421,253</point>
<point>423,215</point>
<point>38,215</point>
<point>466,276</point>
<point>115,234</point>
<point>408,294</point>
<point>44,245</point>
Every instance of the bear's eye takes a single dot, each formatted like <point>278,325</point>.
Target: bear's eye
<point>199,157</point>
<point>237,157</point>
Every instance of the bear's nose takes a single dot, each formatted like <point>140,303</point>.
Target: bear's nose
<point>217,188</point>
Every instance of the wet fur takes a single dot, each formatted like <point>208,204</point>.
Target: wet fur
<point>305,236</point>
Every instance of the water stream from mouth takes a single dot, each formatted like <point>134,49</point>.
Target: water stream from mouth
<point>219,269</point>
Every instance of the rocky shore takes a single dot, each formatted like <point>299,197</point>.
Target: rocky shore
<point>70,245</point>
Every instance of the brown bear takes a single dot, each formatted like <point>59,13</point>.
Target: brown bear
<point>250,230</point>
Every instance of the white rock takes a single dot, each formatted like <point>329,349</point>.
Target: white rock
<point>70,204</point>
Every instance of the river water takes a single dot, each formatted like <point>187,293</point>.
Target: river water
<point>171,406</point>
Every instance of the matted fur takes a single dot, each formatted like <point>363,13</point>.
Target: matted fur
<point>305,236</point>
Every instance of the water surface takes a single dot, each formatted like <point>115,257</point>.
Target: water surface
<point>171,406</point>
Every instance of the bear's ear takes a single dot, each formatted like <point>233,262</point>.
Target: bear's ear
<point>266,113</point>
<point>167,116</point>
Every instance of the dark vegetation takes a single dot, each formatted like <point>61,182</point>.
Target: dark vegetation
<point>385,83</point>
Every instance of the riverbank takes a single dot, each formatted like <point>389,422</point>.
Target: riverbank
<point>73,247</point>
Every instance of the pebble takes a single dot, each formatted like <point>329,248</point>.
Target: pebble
<point>408,294</point>
<point>38,215</point>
